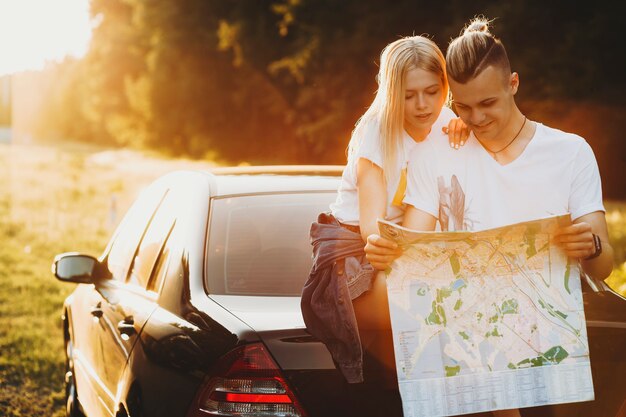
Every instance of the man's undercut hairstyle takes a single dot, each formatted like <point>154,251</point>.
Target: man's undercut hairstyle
<point>473,51</point>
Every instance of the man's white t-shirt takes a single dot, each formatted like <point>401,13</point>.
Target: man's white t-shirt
<point>467,189</point>
<point>346,207</point>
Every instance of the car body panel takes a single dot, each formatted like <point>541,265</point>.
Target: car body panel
<point>264,313</point>
<point>126,306</point>
<point>87,349</point>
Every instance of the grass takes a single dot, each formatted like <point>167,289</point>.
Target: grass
<point>55,200</point>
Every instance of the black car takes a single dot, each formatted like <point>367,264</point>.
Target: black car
<point>193,309</point>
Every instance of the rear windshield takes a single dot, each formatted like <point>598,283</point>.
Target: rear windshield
<point>259,245</point>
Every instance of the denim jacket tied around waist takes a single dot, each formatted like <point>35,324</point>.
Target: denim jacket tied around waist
<point>340,273</point>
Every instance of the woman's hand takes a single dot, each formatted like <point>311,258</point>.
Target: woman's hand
<point>457,132</point>
<point>381,252</point>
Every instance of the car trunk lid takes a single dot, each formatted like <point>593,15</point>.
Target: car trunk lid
<point>279,323</point>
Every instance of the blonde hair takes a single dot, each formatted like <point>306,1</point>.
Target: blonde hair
<point>387,108</point>
<point>474,50</point>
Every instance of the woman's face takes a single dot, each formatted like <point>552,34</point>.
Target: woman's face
<point>423,99</point>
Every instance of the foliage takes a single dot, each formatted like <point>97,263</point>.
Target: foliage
<point>616,221</point>
<point>284,81</point>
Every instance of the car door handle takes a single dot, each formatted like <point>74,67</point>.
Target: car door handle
<point>96,310</point>
<point>126,326</point>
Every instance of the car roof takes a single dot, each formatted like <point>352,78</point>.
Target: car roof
<point>274,179</point>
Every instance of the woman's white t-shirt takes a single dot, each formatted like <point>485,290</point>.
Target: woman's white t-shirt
<point>346,208</point>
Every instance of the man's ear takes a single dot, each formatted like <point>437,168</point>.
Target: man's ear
<point>514,82</point>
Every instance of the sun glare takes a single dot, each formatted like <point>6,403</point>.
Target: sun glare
<point>35,31</point>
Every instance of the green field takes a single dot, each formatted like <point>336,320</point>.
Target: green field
<point>55,200</point>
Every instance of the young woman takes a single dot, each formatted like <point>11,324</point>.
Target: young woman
<point>407,109</point>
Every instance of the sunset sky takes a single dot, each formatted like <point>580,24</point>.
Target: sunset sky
<point>35,31</point>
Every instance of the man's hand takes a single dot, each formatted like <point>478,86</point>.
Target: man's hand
<point>381,252</point>
<point>576,240</point>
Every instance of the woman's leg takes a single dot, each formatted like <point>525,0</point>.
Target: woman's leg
<point>372,315</point>
<point>371,309</point>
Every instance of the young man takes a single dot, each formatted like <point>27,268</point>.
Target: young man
<point>511,169</point>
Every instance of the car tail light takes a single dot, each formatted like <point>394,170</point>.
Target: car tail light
<point>247,382</point>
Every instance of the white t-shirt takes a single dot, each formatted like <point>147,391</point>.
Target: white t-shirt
<point>467,189</point>
<point>346,206</point>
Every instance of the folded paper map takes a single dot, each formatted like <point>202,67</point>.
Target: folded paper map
<point>486,320</point>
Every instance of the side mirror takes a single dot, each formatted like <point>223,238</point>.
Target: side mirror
<point>75,267</point>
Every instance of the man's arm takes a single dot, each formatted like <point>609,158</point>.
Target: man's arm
<point>578,242</point>
<point>585,204</point>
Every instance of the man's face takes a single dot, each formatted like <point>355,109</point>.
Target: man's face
<point>486,103</point>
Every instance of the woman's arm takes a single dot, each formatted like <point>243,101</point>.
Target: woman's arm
<point>380,252</point>
<point>372,196</point>
<point>417,219</point>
